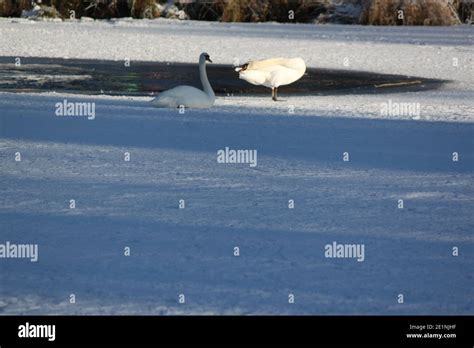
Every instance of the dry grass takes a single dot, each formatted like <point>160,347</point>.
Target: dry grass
<point>256,10</point>
<point>375,12</point>
<point>408,12</point>
<point>144,9</point>
<point>91,8</point>
<point>10,8</point>
<point>245,10</point>
<point>64,8</point>
<point>465,10</point>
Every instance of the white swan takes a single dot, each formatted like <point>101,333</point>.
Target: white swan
<point>187,96</point>
<point>272,73</point>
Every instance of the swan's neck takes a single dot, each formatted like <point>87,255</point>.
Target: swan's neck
<point>205,82</point>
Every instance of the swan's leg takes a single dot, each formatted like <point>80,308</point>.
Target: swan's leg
<point>274,93</point>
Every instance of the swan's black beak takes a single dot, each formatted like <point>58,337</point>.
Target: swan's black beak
<point>208,59</point>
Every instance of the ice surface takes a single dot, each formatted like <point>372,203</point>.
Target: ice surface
<point>173,157</point>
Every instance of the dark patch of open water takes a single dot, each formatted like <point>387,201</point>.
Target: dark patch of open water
<point>145,78</point>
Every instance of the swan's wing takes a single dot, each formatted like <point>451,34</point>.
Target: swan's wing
<point>258,64</point>
<point>264,63</point>
<point>290,63</point>
<point>272,72</point>
<point>294,63</point>
<point>183,95</point>
<point>258,72</point>
<point>255,77</point>
<point>181,91</point>
<point>274,75</point>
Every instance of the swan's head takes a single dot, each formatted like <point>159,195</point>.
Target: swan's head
<point>204,57</point>
<point>242,67</point>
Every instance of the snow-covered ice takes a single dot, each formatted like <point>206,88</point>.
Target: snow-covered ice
<point>173,156</point>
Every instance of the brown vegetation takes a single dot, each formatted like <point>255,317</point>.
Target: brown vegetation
<point>408,12</point>
<point>465,10</point>
<point>374,12</point>
<point>256,10</point>
<point>10,8</point>
<point>144,9</point>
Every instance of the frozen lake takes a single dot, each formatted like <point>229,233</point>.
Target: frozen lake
<point>333,169</point>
